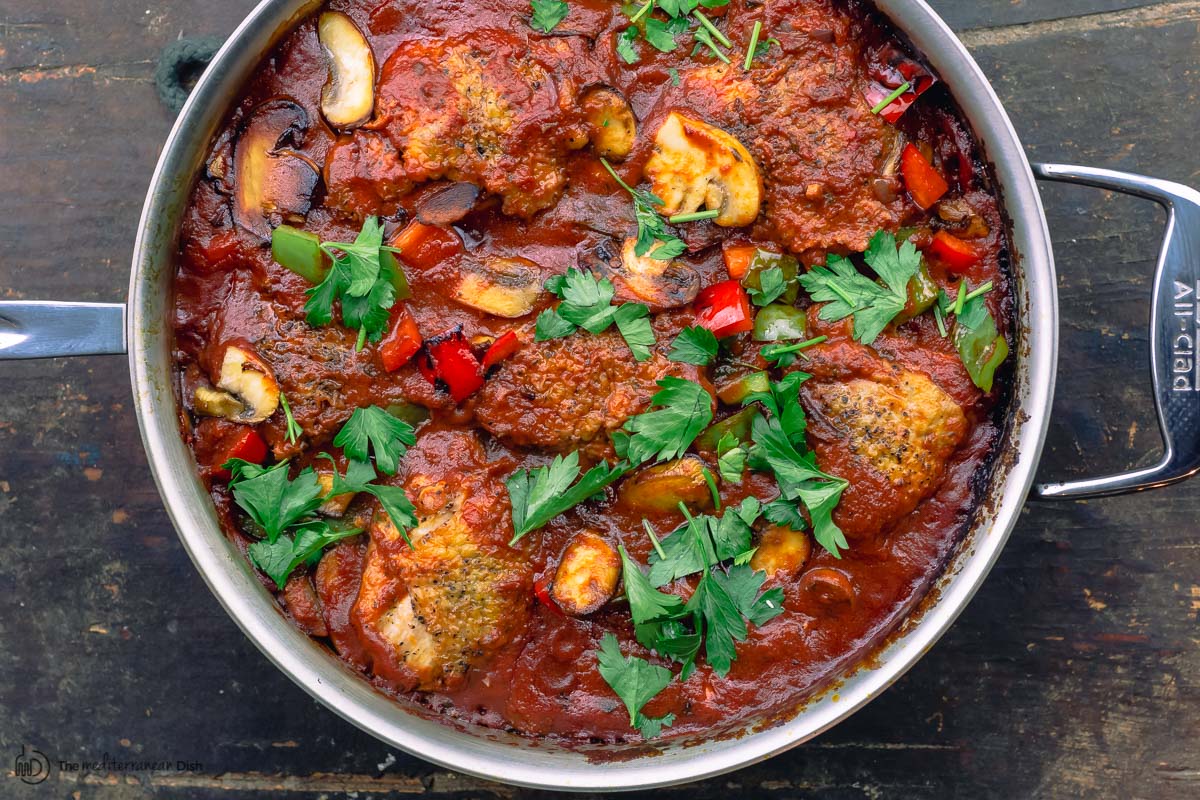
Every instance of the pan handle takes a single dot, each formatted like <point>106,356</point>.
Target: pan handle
<point>1174,334</point>
<point>45,329</point>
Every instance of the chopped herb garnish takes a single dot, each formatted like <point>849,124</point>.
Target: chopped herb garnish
<point>705,39</point>
<point>979,291</point>
<point>712,29</point>
<point>651,226</point>
<point>633,321</point>
<point>388,436</point>
<point>394,499</point>
<point>976,336</point>
<point>731,458</point>
<point>293,429</point>
<point>278,559</point>
<point>645,601</point>
<point>684,411</point>
<point>674,73</point>
<point>625,46</point>
<point>847,292</point>
<point>891,98</point>
<point>724,600</point>
<point>695,345</point>
<point>772,284</point>
<point>694,216</point>
<point>547,14</point>
<point>541,494</point>
<point>779,447</point>
<point>754,34</point>
<point>660,35</point>
<point>784,355</point>
<point>587,303</point>
<point>270,498</point>
<point>361,279</point>
<point>636,681</point>
<point>283,509</point>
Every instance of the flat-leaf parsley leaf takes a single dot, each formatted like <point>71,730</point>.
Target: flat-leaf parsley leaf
<point>847,292</point>
<point>547,14</point>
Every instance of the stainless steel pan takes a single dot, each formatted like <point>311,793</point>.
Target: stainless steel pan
<point>31,330</point>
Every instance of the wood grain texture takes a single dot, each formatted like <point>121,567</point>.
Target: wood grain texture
<point>1074,674</point>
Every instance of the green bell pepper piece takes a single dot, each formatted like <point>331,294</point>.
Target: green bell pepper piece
<point>737,424</point>
<point>395,272</point>
<point>777,322</point>
<point>411,413</point>
<point>764,260</point>
<point>738,389</point>
<point>299,251</point>
<point>922,294</point>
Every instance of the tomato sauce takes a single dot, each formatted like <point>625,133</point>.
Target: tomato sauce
<point>830,182</point>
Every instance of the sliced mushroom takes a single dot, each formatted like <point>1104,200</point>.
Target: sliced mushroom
<point>663,487</point>
<point>348,97</point>
<point>828,590</point>
<point>449,205</point>
<point>695,164</point>
<point>612,128</point>
<point>504,287</point>
<point>587,575</point>
<point>781,549</point>
<point>272,181</point>
<point>249,391</point>
<point>657,283</point>
<point>333,506</point>
<point>211,402</point>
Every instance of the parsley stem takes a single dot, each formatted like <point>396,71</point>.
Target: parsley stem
<point>720,37</point>
<point>940,319</point>
<point>962,298</point>
<point>694,216</point>
<point>711,480</point>
<point>711,45</point>
<point>617,177</point>
<point>774,351</point>
<point>840,292</point>
<point>891,98</point>
<point>753,44</point>
<point>293,428</point>
<point>641,12</point>
<point>654,540</point>
<point>978,292</point>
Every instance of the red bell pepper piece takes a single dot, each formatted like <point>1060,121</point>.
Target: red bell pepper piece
<point>923,181</point>
<point>907,71</point>
<point>541,589</point>
<point>952,251</point>
<point>502,348</point>
<point>245,444</point>
<point>724,308</point>
<point>402,341</point>
<point>449,359</point>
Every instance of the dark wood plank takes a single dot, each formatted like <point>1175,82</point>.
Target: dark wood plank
<point>1075,672</point>
<point>997,13</point>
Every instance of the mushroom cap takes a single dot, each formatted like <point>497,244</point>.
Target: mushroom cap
<point>696,164</point>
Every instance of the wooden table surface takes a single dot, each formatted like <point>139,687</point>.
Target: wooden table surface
<point>1074,673</point>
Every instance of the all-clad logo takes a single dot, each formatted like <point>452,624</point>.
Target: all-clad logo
<point>31,766</point>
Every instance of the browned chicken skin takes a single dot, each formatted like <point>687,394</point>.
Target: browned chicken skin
<point>566,393</point>
<point>429,613</point>
<point>483,111</point>
<point>890,430</point>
